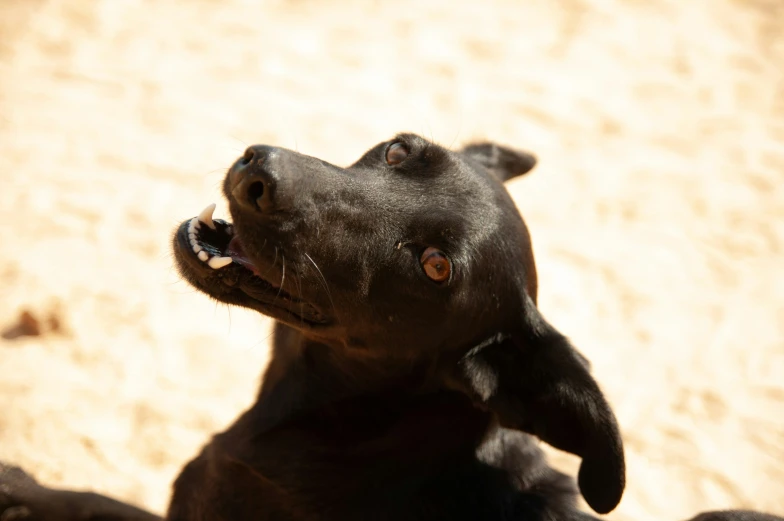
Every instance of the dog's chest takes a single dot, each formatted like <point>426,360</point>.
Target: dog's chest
<point>360,461</point>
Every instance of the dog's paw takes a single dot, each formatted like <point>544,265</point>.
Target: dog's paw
<point>16,488</point>
<point>735,515</point>
<point>13,475</point>
<point>17,513</point>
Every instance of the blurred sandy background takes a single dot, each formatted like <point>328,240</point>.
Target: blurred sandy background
<point>656,211</point>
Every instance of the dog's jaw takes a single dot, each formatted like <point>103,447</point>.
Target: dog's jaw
<point>211,256</point>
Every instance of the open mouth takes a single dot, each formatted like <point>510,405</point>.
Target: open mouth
<point>213,242</point>
<point>214,260</point>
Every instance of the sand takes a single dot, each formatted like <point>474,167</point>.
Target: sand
<point>657,211</point>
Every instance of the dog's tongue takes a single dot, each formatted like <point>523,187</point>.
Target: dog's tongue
<point>237,252</point>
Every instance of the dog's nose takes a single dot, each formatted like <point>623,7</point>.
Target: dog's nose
<point>253,179</point>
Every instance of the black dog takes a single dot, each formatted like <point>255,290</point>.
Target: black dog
<point>411,368</point>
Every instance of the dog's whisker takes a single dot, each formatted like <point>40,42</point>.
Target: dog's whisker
<point>282,276</point>
<point>274,262</point>
<point>457,134</point>
<point>298,281</point>
<point>242,142</point>
<point>323,281</point>
<point>228,309</point>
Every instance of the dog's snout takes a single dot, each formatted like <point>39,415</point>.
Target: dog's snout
<point>254,178</point>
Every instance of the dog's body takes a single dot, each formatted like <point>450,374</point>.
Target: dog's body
<point>384,454</point>
<point>411,368</point>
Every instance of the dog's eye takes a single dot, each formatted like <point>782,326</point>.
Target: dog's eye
<point>436,265</point>
<point>396,153</point>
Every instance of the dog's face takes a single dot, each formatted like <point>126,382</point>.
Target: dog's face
<point>412,251</point>
<point>413,245</point>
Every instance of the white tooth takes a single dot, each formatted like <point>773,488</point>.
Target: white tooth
<point>217,263</point>
<point>192,236</point>
<point>206,216</point>
<point>230,230</point>
<point>197,248</point>
<point>203,256</point>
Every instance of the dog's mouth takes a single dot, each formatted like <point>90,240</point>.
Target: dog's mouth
<point>212,257</point>
<point>214,242</point>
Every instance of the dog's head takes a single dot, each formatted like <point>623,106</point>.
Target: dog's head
<point>414,250</point>
<point>413,245</point>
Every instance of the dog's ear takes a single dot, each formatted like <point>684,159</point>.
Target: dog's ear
<point>534,380</point>
<point>506,163</point>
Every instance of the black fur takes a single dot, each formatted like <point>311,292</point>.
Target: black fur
<point>388,396</point>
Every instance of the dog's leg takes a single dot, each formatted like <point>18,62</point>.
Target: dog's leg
<point>23,499</point>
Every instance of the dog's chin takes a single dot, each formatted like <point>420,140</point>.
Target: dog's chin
<point>211,256</point>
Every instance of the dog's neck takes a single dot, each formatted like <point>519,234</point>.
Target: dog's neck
<point>305,375</point>
<point>312,389</point>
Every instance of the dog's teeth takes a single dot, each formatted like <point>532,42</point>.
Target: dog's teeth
<point>206,216</point>
<point>193,225</point>
<point>197,248</point>
<point>217,263</point>
<point>203,256</point>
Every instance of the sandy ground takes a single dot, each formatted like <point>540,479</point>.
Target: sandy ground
<point>656,211</point>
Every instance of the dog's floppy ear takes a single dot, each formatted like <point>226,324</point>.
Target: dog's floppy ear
<point>535,381</point>
<point>506,163</point>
